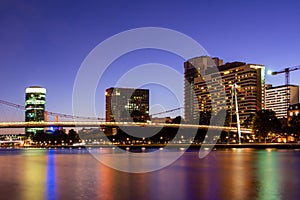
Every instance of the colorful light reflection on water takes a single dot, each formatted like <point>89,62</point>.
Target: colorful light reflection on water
<point>224,174</point>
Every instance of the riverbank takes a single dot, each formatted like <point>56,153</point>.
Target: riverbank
<point>244,145</point>
<point>197,146</point>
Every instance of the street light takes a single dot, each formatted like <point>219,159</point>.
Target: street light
<point>270,72</point>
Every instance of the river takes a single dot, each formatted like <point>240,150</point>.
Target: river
<point>222,174</point>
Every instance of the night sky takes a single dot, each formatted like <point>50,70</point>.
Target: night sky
<point>44,42</point>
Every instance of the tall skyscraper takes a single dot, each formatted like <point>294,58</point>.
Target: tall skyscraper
<point>34,108</point>
<point>127,104</point>
<point>194,73</point>
<point>206,77</point>
<point>276,98</point>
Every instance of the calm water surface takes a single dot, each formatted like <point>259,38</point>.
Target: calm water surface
<point>223,174</point>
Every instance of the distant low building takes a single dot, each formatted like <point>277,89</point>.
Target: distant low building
<point>161,120</point>
<point>293,110</point>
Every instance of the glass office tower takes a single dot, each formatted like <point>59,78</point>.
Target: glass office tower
<point>127,104</point>
<point>34,108</point>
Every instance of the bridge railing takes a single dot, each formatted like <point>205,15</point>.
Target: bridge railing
<point>111,124</point>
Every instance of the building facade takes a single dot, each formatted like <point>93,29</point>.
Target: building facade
<point>279,98</point>
<point>35,102</point>
<point>203,89</point>
<point>293,110</point>
<point>208,87</point>
<point>127,104</point>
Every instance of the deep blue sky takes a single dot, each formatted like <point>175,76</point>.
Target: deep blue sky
<point>44,42</point>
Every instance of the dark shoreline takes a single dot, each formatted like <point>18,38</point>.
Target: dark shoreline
<point>172,146</point>
<point>215,146</point>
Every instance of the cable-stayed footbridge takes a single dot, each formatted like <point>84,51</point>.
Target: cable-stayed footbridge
<point>68,120</point>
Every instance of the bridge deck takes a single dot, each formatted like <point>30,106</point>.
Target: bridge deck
<point>114,124</point>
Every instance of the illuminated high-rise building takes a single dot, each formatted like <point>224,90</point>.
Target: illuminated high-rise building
<point>34,108</point>
<point>206,77</point>
<point>200,83</point>
<point>127,104</point>
<point>277,97</point>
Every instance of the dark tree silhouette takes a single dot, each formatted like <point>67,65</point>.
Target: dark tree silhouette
<point>265,122</point>
<point>73,136</point>
<point>177,120</point>
<point>295,124</point>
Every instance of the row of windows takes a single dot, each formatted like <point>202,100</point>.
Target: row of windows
<point>296,113</point>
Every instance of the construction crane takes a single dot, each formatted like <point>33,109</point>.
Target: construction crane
<point>287,71</point>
